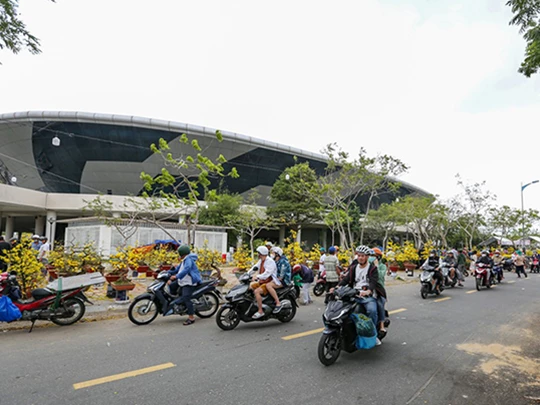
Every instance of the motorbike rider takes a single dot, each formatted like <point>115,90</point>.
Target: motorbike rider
<point>267,272</point>
<point>498,261</point>
<point>451,262</point>
<point>282,278</point>
<point>186,276</point>
<point>486,260</point>
<point>364,277</point>
<point>381,300</point>
<point>432,264</point>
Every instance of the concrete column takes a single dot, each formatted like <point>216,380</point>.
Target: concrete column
<point>1,222</point>
<point>324,237</point>
<point>50,227</point>
<point>9,227</point>
<point>281,235</point>
<point>39,225</point>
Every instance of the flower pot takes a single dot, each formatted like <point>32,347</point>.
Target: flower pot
<point>53,274</point>
<point>112,277</point>
<point>123,287</point>
<point>165,267</point>
<point>143,269</point>
<point>393,268</point>
<point>206,274</point>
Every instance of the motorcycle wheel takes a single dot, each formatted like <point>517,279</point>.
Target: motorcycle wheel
<point>213,301</point>
<point>74,305</point>
<point>290,316</point>
<point>318,290</point>
<point>329,349</point>
<point>478,283</point>
<point>424,292</point>
<point>227,318</point>
<point>136,310</point>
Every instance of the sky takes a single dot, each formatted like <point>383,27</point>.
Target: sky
<point>433,83</point>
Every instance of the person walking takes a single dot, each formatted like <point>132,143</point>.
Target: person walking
<point>307,278</point>
<point>331,265</point>
<point>519,262</point>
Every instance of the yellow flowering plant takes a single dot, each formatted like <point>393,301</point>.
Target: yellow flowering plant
<point>407,253</point>
<point>345,257</point>
<point>162,256</point>
<point>22,260</point>
<point>293,250</point>
<point>207,258</point>
<point>242,259</point>
<point>428,247</point>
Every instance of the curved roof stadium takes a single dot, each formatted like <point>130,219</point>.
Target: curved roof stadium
<point>102,153</point>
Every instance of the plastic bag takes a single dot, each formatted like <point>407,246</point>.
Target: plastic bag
<point>365,343</point>
<point>8,311</point>
<point>364,326</point>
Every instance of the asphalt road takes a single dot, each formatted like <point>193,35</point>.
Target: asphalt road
<point>471,348</point>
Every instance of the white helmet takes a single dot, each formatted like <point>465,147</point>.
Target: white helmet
<point>262,250</point>
<point>35,237</point>
<point>277,250</point>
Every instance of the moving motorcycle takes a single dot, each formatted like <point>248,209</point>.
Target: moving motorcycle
<point>428,282</point>
<point>62,302</point>
<point>498,274</point>
<point>340,330</point>
<point>449,281</point>
<point>535,267</point>
<point>320,286</point>
<point>158,297</point>
<point>483,276</point>
<point>508,265</point>
<point>241,305</point>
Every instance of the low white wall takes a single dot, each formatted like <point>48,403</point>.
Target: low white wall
<point>107,239</point>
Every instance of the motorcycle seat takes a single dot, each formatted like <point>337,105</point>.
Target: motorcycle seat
<point>40,293</point>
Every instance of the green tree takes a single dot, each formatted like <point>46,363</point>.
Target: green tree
<point>252,219</point>
<point>13,33</point>
<point>510,223</point>
<point>186,173</point>
<point>468,209</point>
<point>346,179</point>
<point>383,221</point>
<point>526,15</point>
<point>296,197</point>
<point>221,209</point>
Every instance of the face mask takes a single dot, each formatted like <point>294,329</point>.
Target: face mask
<point>484,255</point>
<point>371,259</point>
<point>273,255</point>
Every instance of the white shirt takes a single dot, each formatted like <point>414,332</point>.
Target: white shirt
<point>270,268</point>
<point>321,263</point>
<point>186,280</point>
<point>44,250</point>
<point>361,277</point>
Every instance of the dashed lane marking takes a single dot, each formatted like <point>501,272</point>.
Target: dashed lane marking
<point>443,299</point>
<point>121,376</point>
<point>511,282</point>
<point>319,330</point>
<point>472,291</point>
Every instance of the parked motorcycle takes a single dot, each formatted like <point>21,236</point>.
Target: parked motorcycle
<point>241,305</point>
<point>320,286</point>
<point>340,330</point>
<point>158,297</point>
<point>483,276</point>
<point>62,306</point>
<point>428,282</point>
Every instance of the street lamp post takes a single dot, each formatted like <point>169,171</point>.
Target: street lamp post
<point>523,187</point>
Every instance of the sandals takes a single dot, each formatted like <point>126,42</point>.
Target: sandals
<point>189,322</point>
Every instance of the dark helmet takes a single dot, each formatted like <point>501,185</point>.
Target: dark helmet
<point>184,250</point>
